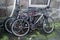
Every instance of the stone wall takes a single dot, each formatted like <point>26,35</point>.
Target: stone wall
<point>9,2</point>
<point>54,7</point>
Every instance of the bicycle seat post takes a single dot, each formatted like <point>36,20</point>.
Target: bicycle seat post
<point>18,8</point>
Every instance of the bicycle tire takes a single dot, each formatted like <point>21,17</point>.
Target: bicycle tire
<point>14,32</point>
<point>11,19</point>
<point>45,25</point>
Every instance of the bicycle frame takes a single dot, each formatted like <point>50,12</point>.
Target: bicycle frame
<point>18,6</point>
<point>39,19</point>
<point>41,15</point>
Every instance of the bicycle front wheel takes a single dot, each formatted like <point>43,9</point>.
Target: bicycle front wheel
<point>48,25</point>
<point>20,27</point>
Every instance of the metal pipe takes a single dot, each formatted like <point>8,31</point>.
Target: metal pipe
<point>13,8</point>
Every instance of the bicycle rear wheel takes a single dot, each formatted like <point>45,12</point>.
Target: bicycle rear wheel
<point>20,27</point>
<point>8,24</point>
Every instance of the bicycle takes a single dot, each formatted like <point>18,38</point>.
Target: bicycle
<point>22,23</point>
<point>32,23</point>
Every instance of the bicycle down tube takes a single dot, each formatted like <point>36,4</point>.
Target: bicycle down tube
<point>39,19</point>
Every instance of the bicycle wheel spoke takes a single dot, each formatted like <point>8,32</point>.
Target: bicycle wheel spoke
<point>15,27</point>
<point>22,31</point>
<point>49,25</point>
<point>25,27</point>
<point>21,28</point>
